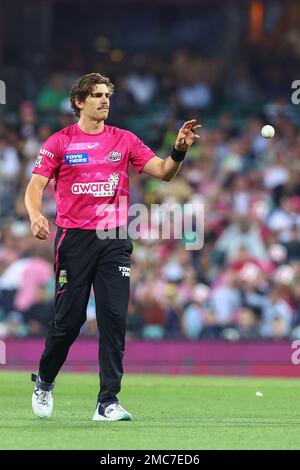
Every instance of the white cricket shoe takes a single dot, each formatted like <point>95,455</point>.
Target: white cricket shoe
<point>42,400</point>
<point>112,412</point>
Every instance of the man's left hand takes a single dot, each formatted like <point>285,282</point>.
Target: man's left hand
<point>187,136</point>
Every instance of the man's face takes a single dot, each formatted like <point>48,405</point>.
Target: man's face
<point>96,105</point>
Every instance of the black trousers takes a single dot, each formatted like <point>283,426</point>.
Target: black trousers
<point>83,260</point>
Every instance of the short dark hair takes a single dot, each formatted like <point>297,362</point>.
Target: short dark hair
<point>85,85</point>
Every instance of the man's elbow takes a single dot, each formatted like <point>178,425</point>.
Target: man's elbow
<point>167,177</point>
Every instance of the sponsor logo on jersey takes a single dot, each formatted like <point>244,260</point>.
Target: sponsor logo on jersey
<point>80,146</point>
<point>46,153</point>
<point>76,158</point>
<point>98,188</point>
<point>38,161</point>
<point>114,156</point>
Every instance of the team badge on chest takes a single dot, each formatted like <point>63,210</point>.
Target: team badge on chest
<point>114,156</point>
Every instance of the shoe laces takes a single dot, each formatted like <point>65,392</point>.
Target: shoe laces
<point>44,397</point>
<point>119,407</point>
<point>114,407</point>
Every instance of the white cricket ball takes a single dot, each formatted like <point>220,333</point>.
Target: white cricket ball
<point>259,394</point>
<point>268,131</point>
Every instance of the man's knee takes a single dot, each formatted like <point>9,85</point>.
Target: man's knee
<point>63,330</point>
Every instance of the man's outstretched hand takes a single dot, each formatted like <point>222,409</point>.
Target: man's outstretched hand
<point>186,135</point>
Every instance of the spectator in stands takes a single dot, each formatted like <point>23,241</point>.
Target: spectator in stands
<point>53,94</point>
<point>9,174</point>
<point>241,234</point>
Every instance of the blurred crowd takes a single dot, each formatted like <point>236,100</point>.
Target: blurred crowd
<point>244,284</point>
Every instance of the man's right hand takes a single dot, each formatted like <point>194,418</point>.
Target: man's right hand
<point>40,227</point>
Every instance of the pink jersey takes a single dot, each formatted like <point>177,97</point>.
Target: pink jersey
<point>90,174</point>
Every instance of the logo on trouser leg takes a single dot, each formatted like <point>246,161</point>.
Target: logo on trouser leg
<point>62,278</point>
<point>125,271</point>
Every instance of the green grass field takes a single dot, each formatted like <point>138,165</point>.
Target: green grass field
<point>169,413</point>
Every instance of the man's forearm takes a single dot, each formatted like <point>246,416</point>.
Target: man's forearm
<point>33,201</point>
<point>170,168</point>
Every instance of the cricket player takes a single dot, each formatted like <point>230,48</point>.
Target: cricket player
<point>89,164</point>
